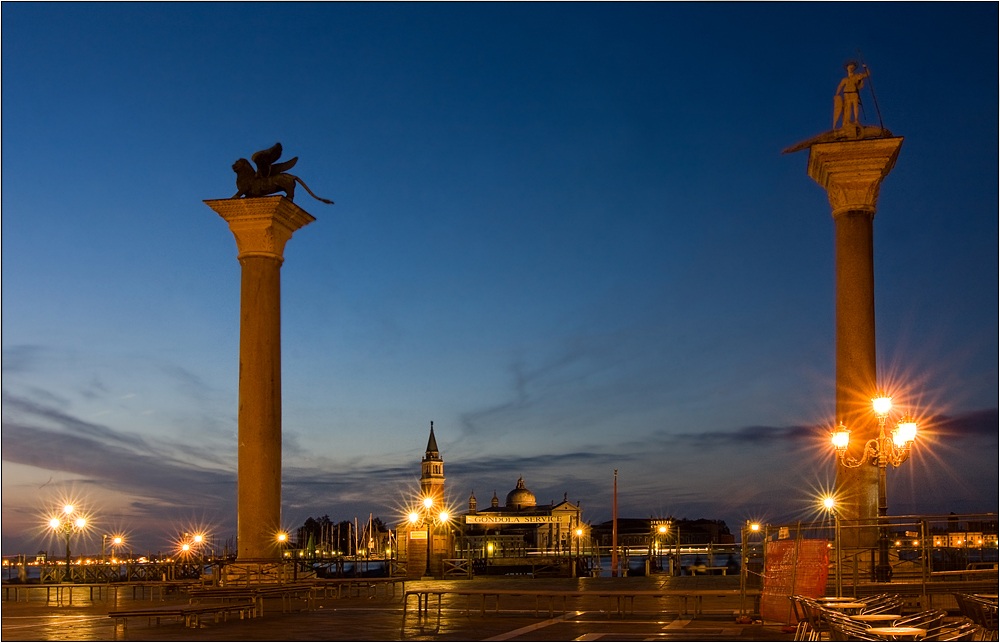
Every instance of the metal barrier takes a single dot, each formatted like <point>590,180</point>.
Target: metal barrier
<point>930,556</point>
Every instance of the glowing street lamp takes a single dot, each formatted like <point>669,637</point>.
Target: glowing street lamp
<point>830,505</point>
<point>428,519</point>
<point>888,448</point>
<point>70,523</point>
<point>745,552</point>
<point>116,542</point>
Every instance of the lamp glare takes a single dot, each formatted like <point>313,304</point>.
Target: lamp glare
<point>905,432</point>
<point>882,403</point>
<point>841,437</point>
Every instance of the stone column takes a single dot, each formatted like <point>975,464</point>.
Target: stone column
<point>261,226</point>
<point>851,172</point>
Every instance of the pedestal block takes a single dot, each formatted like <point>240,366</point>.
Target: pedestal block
<point>851,172</point>
<point>262,227</point>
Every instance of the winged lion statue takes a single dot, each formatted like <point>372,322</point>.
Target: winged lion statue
<point>269,177</point>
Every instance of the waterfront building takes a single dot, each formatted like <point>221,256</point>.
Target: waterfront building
<point>522,525</point>
<point>511,530</point>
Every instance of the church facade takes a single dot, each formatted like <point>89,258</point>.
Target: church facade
<point>521,526</point>
<point>430,536</point>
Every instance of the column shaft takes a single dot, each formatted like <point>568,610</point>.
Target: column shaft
<point>855,357</point>
<point>259,473</point>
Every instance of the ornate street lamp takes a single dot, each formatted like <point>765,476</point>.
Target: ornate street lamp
<point>888,448</point>
<point>70,523</point>
<point>428,520</point>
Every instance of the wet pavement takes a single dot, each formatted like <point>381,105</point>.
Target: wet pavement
<point>381,619</point>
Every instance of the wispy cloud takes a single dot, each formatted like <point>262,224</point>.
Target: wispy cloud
<point>169,480</point>
<point>983,423</point>
<point>749,435</point>
<point>70,423</point>
<point>21,358</point>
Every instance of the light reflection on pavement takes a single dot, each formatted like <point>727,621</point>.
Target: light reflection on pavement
<point>363,619</point>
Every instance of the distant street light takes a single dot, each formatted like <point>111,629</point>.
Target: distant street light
<point>661,531</point>
<point>116,541</point>
<point>894,449</point>
<point>70,523</point>
<point>830,504</point>
<point>746,549</point>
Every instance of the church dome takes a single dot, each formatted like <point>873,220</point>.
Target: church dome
<point>520,497</point>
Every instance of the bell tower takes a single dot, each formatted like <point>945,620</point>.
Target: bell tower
<point>432,473</point>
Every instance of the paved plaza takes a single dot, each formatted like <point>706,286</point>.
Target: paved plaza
<point>381,619</point>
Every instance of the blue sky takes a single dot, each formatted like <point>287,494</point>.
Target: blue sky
<point>565,233</point>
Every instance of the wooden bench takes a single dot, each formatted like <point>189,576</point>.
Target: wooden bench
<point>257,594</point>
<point>105,591</point>
<point>621,598</point>
<point>370,585</point>
<point>190,613</point>
<point>694,570</point>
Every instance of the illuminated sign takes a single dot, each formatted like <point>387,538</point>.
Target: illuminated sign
<point>514,520</point>
<point>418,535</point>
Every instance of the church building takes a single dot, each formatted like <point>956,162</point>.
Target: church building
<point>522,525</point>
<point>426,537</point>
<point>513,530</point>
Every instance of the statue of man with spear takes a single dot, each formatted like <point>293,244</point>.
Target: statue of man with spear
<point>848,103</point>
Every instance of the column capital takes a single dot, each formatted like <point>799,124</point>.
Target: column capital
<point>851,172</point>
<point>261,226</point>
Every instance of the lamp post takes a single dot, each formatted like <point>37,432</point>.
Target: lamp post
<point>748,528</point>
<point>116,542</point>
<point>428,520</point>
<point>888,448</point>
<point>660,530</point>
<point>70,523</point>
<point>830,504</point>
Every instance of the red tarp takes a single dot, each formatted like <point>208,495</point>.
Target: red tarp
<point>805,560</point>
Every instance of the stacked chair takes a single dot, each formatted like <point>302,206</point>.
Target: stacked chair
<point>982,612</point>
<point>882,604</point>
<point>817,623</point>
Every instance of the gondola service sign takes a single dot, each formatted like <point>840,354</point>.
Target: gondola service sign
<point>514,520</point>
